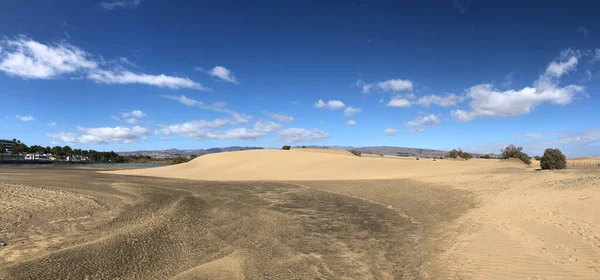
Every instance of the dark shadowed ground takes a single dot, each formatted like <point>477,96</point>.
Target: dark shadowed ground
<point>79,224</point>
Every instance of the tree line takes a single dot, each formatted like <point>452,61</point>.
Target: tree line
<point>61,153</point>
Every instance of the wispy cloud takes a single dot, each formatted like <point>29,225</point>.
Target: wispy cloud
<point>429,120</point>
<point>301,135</point>
<point>393,85</point>
<point>120,4</point>
<point>331,104</point>
<point>103,135</point>
<point>351,111</point>
<point>280,117</point>
<point>223,74</point>
<point>23,57</point>
<point>583,30</point>
<point>461,5</point>
<point>26,118</point>
<point>52,124</point>
<point>443,101</point>
<point>390,132</point>
<point>398,102</point>
<point>351,123</point>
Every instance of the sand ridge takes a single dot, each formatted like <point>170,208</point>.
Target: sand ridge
<point>306,164</point>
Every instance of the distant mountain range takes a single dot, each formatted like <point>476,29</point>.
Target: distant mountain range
<point>385,150</point>
<point>177,152</point>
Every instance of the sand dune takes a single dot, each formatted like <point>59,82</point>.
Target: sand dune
<point>530,224</point>
<point>306,164</point>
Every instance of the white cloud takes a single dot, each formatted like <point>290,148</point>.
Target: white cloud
<point>65,137</point>
<point>443,101</point>
<point>296,135</point>
<point>121,134</point>
<point>390,132</point>
<point>429,120</point>
<point>351,123</point>
<point>217,107</point>
<point>487,101</point>
<point>397,101</point>
<point>395,85</point>
<point>223,74</point>
<point>134,113</point>
<point>127,77</point>
<point>351,111</point>
<point>122,4</point>
<point>203,129</point>
<point>266,126</point>
<point>415,130</point>
<point>113,117</point>
<point>366,88</point>
<point>184,100</point>
<point>26,118</point>
<point>280,117</point>
<point>29,59</point>
<point>131,121</point>
<point>533,135</point>
<point>320,104</point>
<point>331,104</point>
<point>557,69</point>
<point>52,124</point>
<point>166,138</point>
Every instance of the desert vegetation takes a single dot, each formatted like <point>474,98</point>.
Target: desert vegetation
<point>515,152</point>
<point>286,147</point>
<point>553,159</point>
<point>355,152</point>
<point>459,154</point>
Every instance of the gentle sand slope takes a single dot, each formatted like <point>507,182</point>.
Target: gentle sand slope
<point>305,165</point>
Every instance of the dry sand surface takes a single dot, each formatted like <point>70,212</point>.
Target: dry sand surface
<point>301,164</point>
<point>303,214</point>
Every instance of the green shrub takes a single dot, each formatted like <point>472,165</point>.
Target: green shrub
<point>355,152</point>
<point>553,159</point>
<point>452,154</point>
<point>286,147</point>
<point>537,158</point>
<point>179,159</point>
<point>513,152</point>
<point>486,156</point>
<point>459,154</point>
<point>303,147</point>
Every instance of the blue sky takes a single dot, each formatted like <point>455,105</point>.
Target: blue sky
<point>131,75</point>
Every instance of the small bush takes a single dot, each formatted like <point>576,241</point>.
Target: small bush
<point>417,158</point>
<point>459,154</point>
<point>355,152</point>
<point>286,147</point>
<point>486,156</point>
<point>537,158</point>
<point>381,155</point>
<point>514,152</point>
<point>553,159</point>
<point>303,147</point>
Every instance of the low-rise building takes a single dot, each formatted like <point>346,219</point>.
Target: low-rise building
<point>8,144</point>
